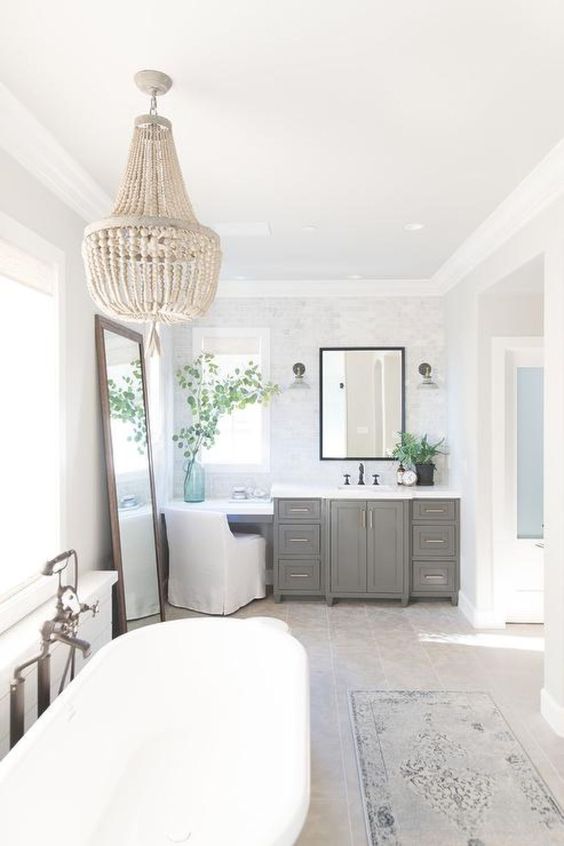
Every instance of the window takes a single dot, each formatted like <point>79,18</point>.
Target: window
<point>530,461</point>
<point>243,442</point>
<point>29,423</point>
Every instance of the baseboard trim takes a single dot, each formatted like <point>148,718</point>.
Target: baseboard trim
<point>477,617</point>
<point>552,712</point>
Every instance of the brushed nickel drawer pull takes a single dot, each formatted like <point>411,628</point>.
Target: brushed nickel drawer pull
<point>431,578</point>
<point>363,518</point>
<point>299,575</point>
<point>370,517</point>
<point>434,511</point>
<point>299,509</point>
<point>427,540</point>
<point>298,540</point>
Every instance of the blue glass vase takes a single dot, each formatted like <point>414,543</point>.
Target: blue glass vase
<point>194,482</point>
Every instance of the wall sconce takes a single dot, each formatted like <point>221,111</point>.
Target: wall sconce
<point>299,371</point>
<point>427,382</point>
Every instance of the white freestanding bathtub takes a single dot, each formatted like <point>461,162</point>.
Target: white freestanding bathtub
<point>192,731</point>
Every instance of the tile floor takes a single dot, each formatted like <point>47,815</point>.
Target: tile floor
<point>426,645</point>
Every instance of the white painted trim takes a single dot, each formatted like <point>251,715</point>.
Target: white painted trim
<point>479,618</point>
<point>308,288</point>
<point>542,186</point>
<point>263,335</point>
<point>25,139</point>
<point>37,149</point>
<point>17,606</point>
<point>34,245</point>
<point>506,546</point>
<point>552,712</point>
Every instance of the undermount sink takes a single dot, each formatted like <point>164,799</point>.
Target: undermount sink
<point>367,489</point>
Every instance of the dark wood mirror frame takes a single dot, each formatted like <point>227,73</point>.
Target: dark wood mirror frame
<point>103,324</point>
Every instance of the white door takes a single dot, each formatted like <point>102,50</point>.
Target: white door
<point>517,478</point>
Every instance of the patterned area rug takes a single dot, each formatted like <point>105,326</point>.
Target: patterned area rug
<point>444,769</point>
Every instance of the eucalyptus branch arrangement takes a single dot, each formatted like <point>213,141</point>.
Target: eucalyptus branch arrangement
<point>127,404</point>
<point>211,395</point>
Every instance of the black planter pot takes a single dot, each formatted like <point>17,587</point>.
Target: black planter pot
<point>425,474</point>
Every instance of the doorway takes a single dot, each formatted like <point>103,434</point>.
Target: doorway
<point>517,477</point>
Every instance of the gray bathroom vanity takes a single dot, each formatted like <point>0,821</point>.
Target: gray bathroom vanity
<point>371,543</point>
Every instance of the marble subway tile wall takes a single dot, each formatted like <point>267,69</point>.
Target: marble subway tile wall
<point>298,328</point>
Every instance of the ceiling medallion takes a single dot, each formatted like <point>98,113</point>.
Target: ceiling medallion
<point>151,261</point>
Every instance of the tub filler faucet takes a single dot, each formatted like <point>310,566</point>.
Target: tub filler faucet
<point>61,628</point>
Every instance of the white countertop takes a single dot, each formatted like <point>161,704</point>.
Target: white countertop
<point>225,506</point>
<point>289,491</point>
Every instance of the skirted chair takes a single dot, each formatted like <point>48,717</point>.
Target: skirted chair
<point>212,569</point>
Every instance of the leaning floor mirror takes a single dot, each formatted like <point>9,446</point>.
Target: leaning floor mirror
<point>130,478</point>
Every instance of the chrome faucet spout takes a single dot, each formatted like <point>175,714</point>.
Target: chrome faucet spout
<point>361,473</point>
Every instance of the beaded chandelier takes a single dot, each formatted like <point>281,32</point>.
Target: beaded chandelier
<point>151,261</point>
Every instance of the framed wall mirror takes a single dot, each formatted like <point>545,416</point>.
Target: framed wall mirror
<point>130,479</point>
<point>362,402</point>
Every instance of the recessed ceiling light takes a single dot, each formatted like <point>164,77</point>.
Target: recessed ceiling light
<point>309,227</point>
<point>239,278</point>
<point>354,276</point>
<point>413,227</point>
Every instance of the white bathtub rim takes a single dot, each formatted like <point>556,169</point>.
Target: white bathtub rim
<point>61,702</point>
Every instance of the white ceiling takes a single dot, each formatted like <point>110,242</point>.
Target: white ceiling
<point>357,117</point>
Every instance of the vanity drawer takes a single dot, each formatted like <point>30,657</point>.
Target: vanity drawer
<point>298,540</point>
<point>299,575</point>
<point>299,509</point>
<point>433,577</point>
<point>431,510</point>
<point>434,541</point>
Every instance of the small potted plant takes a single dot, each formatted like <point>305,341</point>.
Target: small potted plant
<point>424,460</point>
<point>418,453</point>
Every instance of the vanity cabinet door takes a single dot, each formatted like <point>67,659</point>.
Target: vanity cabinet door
<point>387,547</point>
<point>348,547</point>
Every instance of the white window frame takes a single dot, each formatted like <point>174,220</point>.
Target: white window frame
<point>198,335</point>
<point>51,262</point>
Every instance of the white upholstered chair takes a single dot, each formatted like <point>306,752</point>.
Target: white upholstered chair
<point>211,569</point>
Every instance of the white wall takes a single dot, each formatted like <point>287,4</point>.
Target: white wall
<point>20,643</point>
<point>299,327</point>
<point>85,519</point>
<point>543,236</point>
<point>499,315</point>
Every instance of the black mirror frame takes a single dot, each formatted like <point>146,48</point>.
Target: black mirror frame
<point>401,350</point>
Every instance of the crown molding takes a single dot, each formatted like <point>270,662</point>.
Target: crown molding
<point>541,187</point>
<point>25,139</point>
<point>307,288</point>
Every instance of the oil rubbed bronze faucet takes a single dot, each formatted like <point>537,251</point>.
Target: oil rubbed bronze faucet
<point>361,473</point>
<point>62,628</point>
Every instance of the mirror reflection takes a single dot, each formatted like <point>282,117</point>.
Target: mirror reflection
<point>362,401</point>
<point>130,479</point>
